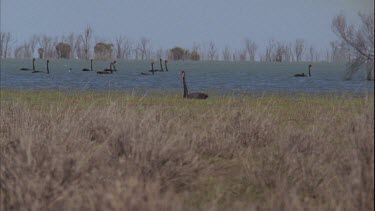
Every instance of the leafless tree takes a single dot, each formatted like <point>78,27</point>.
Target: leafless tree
<point>242,55</point>
<point>6,42</point>
<point>338,51</point>
<point>86,41</point>
<point>227,54</point>
<point>118,45</point>
<point>144,48</point>
<point>71,41</point>
<point>299,48</point>
<point>311,53</point>
<point>280,52</point>
<point>79,47</point>
<point>41,53</point>
<point>289,57</point>
<point>123,47</point>
<point>270,55</point>
<point>360,40</point>
<point>33,43</point>
<point>251,48</point>
<point>23,51</point>
<point>160,53</point>
<point>46,43</point>
<point>211,51</point>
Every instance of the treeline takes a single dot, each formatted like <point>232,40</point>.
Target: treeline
<point>83,46</point>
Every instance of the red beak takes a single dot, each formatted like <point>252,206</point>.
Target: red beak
<point>183,74</point>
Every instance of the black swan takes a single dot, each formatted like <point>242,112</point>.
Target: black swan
<point>165,64</point>
<point>161,67</point>
<point>24,68</point>
<point>85,69</point>
<point>303,74</point>
<point>152,70</point>
<point>106,71</point>
<point>38,71</point>
<point>196,95</point>
<point>113,66</point>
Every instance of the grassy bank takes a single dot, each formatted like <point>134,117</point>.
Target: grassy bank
<point>115,151</point>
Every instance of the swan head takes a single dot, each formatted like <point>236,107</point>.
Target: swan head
<point>183,74</point>
<point>114,62</point>
<point>310,65</point>
<point>33,59</point>
<point>47,61</point>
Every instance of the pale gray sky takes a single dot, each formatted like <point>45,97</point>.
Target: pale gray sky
<point>168,23</point>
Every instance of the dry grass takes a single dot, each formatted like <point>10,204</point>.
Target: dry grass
<point>112,151</point>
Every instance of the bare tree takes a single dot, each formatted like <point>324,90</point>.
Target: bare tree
<point>360,40</point>
<point>271,51</point>
<point>251,48</point>
<point>159,53</point>
<point>86,41</point>
<point>33,43</point>
<point>211,51</point>
<point>118,45</point>
<point>311,53</point>
<point>123,47</point>
<point>6,42</point>
<point>41,53</point>
<point>144,48</point>
<point>79,47</point>
<point>299,48</point>
<point>226,54</point>
<point>288,52</point>
<point>23,51</point>
<point>46,43</point>
<point>71,41</point>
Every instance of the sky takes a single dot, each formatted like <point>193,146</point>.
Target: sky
<point>169,23</point>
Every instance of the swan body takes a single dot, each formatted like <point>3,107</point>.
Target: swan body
<point>161,67</point>
<point>300,75</point>
<point>303,74</point>
<point>24,68</point>
<point>152,70</point>
<point>113,65</point>
<point>106,71</point>
<point>195,95</point>
<point>85,69</point>
<point>39,71</point>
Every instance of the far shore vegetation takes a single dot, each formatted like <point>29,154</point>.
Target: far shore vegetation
<point>354,45</point>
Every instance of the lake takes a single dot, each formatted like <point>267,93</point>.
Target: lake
<point>216,76</point>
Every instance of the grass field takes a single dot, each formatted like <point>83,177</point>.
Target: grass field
<point>116,151</point>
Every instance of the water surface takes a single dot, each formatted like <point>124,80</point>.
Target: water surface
<point>218,76</point>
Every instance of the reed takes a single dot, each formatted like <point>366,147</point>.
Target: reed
<point>117,151</point>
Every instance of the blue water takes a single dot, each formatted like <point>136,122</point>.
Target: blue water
<point>218,76</point>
